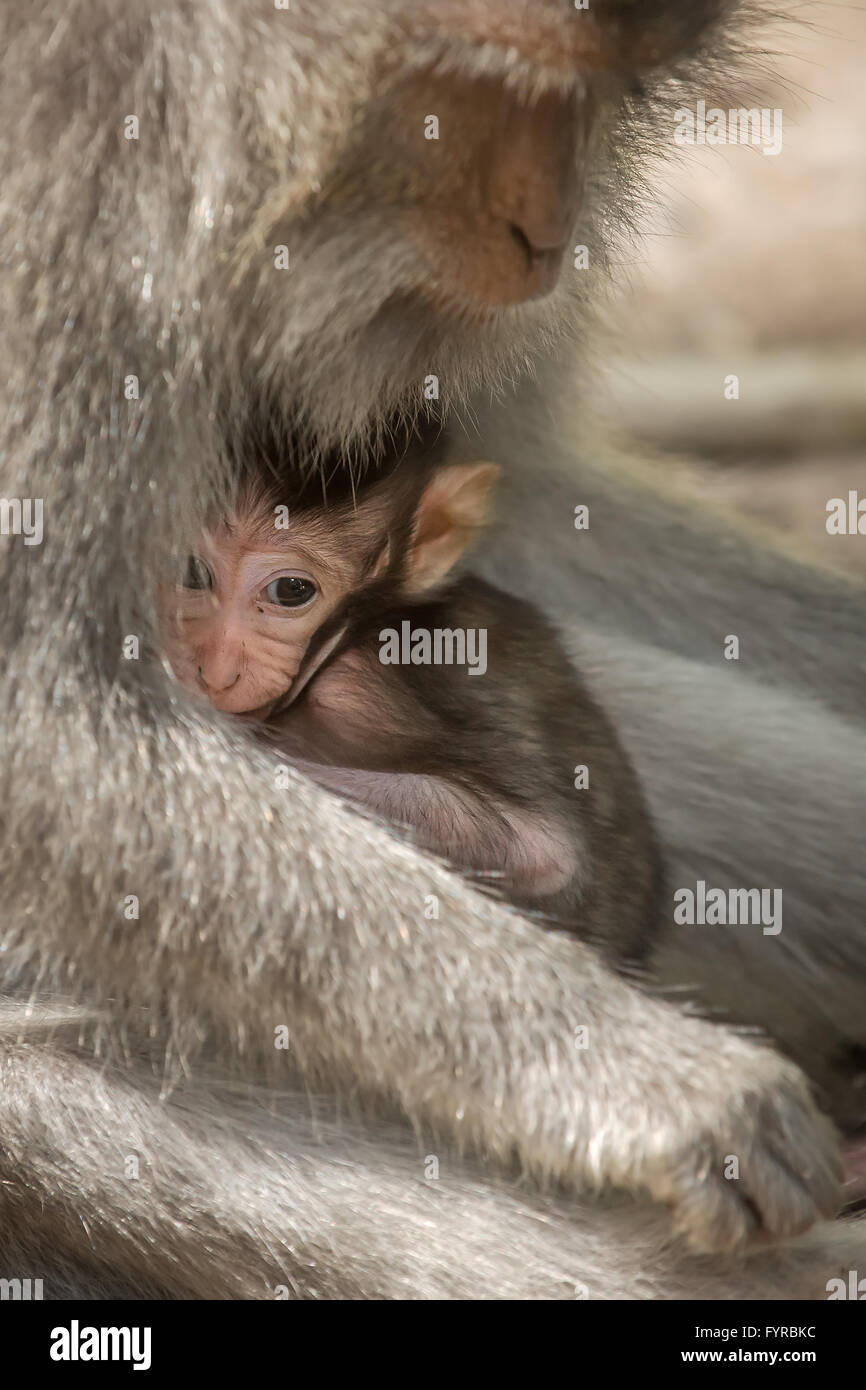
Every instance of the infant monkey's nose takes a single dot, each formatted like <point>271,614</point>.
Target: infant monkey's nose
<point>214,688</point>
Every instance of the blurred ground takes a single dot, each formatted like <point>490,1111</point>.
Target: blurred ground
<point>758,268</point>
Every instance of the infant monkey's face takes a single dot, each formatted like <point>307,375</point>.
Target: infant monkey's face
<point>254,593</point>
<point>249,603</point>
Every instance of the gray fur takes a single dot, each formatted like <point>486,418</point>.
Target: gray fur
<point>153,1037</point>
<point>755,769</point>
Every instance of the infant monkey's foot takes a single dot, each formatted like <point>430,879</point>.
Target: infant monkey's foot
<point>766,1166</point>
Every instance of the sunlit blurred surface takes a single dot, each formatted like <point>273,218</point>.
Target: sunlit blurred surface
<point>758,268</point>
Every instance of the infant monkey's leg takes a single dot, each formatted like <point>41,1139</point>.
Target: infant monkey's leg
<point>530,856</point>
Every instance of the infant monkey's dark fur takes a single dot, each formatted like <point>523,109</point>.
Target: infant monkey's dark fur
<point>497,757</point>
<point>505,765</point>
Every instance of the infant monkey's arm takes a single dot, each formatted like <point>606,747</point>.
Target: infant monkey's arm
<point>530,860</point>
<point>462,761</point>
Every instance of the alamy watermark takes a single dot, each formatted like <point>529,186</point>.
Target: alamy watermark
<point>846,516</point>
<point>22,516</point>
<point>734,907</point>
<point>739,126</point>
<point>20,1290</point>
<point>854,1288</point>
<point>439,646</point>
<point>77,1343</point>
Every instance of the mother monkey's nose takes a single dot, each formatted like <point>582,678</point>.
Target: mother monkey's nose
<point>491,184</point>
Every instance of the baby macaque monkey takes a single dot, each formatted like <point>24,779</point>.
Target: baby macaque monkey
<point>440,703</point>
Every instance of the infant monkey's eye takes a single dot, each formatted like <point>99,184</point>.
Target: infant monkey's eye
<point>290,591</point>
<point>197,575</point>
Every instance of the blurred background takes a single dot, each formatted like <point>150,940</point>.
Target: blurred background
<point>757,266</point>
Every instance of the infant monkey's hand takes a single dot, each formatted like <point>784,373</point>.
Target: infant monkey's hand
<point>751,1159</point>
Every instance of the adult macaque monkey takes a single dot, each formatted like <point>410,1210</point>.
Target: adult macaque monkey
<point>326,212</point>
<point>338,626</point>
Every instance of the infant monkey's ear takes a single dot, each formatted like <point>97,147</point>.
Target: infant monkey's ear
<point>451,510</point>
